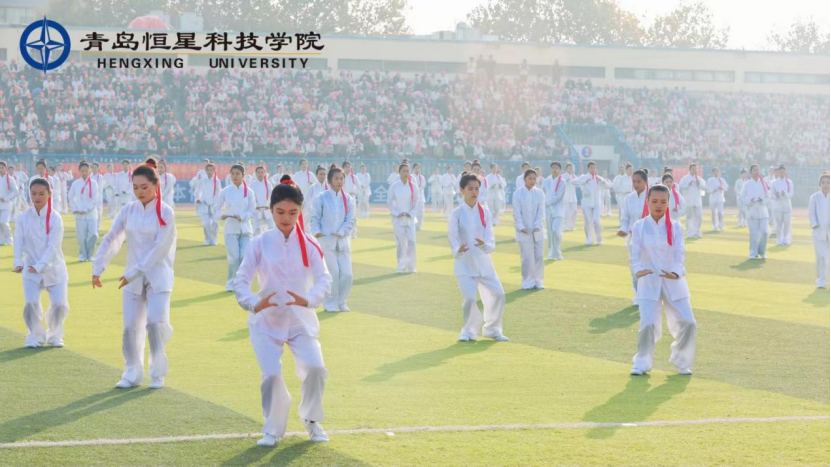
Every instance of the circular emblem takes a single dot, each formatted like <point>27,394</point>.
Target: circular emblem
<point>45,45</point>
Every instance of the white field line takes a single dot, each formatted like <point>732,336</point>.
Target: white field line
<point>412,429</point>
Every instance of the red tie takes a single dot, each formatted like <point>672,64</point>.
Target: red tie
<point>8,182</point>
<point>267,194</point>
<point>245,189</point>
<point>308,177</point>
<point>675,194</point>
<point>720,183</point>
<point>764,185</point>
<point>159,207</point>
<point>48,212</point>
<point>165,180</point>
<point>325,186</point>
<point>486,181</point>
<point>669,228</point>
<point>645,202</point>
<point>302,238</point>
<point>557,187</point>
<point>595,178</point>
<point>345,206</point>
<point>130,173</point>
<point>87,183</point>
<point>412,192</point>
<point>481,213</point>
<point>352,174</point>
<point>214,184</point>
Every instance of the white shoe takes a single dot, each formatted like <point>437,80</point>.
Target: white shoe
<point>344,308</point>
<point>157,383</point>
<point>685,371</point>
<point>316,432</point>
<point>464,339</point>
<point>268,440</point>
<point>500,338</point>
<point>560,258</point>
<point>636,372</point>
<point>33,345</point>
<point>56,343</point>
<point>330,311</point>
<point>124,384</point>
<point>550,258</point>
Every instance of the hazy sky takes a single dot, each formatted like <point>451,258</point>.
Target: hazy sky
<point>750,21</point>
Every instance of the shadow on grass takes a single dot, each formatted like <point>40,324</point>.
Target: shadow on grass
<point>634,404</point>
<point>748,265</point>
<point>27,426</point>
<point>88,282</point>
<point>373,250</point>
<point>621,319</point>
<point>23,352</point>
<point>208,258</point>
<point>515,295</point>
<point>818,298</point>
<point>237,335</point>
<point>374,279</point>
<point>427,360</point>
<point>204,298</point>
<point>293,453</point>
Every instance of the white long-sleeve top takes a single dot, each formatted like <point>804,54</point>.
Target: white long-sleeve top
<point>123,183</point>
<point>818,212</point>
<point>403,198</point>
<point>520,181</point>
<point>590,186</point>
<point>650,250</point>
<point>108,182</point>
<point>304,179</point>
<point>495,183</point>
<point>8,191</point>
<point>99,179</point>
<point>33,247</point>
<point>262,191</point>
<point>555,190</point>
<point>351,184</point>
<point>755,195</point>
<point>83,198</point>
<point>631,210</point>
<point>237,201</point>
<point>448,183</point>
<point>167,183</point>
<point>464,227</point>
<point>716,188</point>
<point>278,263</point>
<point>314,190</point>
<point>622,184</point>
<point>421,182</point>
<point>365,181</point>
<point>529,212</point>
<point>151,247</point>
<point>571,190</point>
<point>691,186</point>
<point>333,213</point>
<point>782,192</point>
<point>676,203</point>
<point>208,189</point>
<point>737,187</point>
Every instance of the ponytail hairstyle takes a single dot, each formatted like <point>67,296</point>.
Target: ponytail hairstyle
<point>148,170</point>
<point>333,171</point>
<point>466,178</point>
<point>239,167</point>
<point>286,190</point>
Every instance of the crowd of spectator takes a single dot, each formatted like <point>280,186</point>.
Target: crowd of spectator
<point>82,109</point>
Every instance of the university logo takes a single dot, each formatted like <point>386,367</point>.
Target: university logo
<point>45,44</point>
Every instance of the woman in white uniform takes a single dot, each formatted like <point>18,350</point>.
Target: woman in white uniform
<point>333,218</point>
<point>365,192</point>
<point>676,199</point>
<point>236,205</point>
<point>402,200</point>
<point>9,191</point>
<point>657,254</point>
<point>496,193</point>
<point>436,198</point>
<point>261,187</point>
<point>755,195</point>
<point>207,190</point>
<point>293,281</point>
<point>38,256</point>
<point>470,231</point>
<point>818,213</point>
<point>83,200</point>
<point>147,282</point>
<point>529,215</point>
<point>168,182</point>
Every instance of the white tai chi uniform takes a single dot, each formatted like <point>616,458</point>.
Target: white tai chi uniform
<point>529,207</point>
<point>677,205</point>
<point>364,194</point>
<point>402,199</point>
<point>737,189</point>
<point>496,196</point>
<point>63,186</point>
<point>474,270</point>
<point>83,199</point>
<point>351,185</point>
<point>278,264</point>
<point>151,250</point>
<point>34,247</point>
<point>691,186</point>
<point>333,215</point>
<point>304,179</point>
<point>606,199</point>
<point>22,184</point>
<point>168,189</point>
<point>99,197</point>
<point>207,190</point>
<point>555,190</point>
<point>782,191</point>
<point>123,190</point>
<point>650,250</point>
<point>108,188</point>
<point>592,204</point>
<point>716,188</point>
<point>9,192</point>
<point>236,201</point>
<point>435,192</point>
<point>622,186</point>
<point>421,185</point>
<point>263,220</point>
<point>631,211</point>
<point>755,196</point>
<point>570,203</point>
<point>818,210</point>
<point>448,190</point>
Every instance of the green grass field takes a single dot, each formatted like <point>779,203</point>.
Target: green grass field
<point>763,351</point>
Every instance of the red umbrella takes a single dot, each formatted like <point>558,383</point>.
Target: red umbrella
<point>147,22</point>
